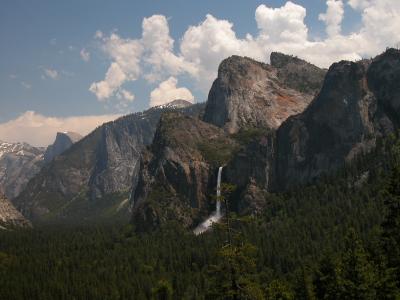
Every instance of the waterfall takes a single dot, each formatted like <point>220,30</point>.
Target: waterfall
<point>218,204</point>
<point>215,216</point>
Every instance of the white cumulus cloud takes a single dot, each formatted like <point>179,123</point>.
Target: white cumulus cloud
<point>359,4</point>
<point>168,91</point>
<point>282,25</point>
<point>333,17</point>
<point>40,130</point>
<point>50,73</point>
<point>125,54</point>
<point>127,95</point>
<point>115,77</point>
<point>203,46</point>
<point>85,55</point>
<point>159,47</point>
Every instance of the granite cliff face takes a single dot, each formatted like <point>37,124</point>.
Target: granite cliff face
<point>272,127</point>
<point>177,175</point>
<point>93,178</point>
<point>63,141</point>
<point>9,216</point>
<point>298,74</point>
<point>249,94</point>
<point>19,162</point>
<point>359,102</point>
<point>247,99</point>
<point>250,171</point>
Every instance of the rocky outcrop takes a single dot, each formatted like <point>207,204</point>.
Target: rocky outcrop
<point>19,162</point>
<point>257,123</point>
<point>298,74</point>
<point>249,94</point>
<point>9,216</point>
<point>93,178</point>
<point>178,173</point>
<point>247,98</point>
<point>63,141</point>
<point>250,171</point>
<point>359,102</point>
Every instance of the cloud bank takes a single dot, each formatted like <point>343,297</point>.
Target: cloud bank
<point>39,130</point>
<point>203,46</point>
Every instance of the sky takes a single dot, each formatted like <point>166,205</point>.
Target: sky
<point>72,65</point>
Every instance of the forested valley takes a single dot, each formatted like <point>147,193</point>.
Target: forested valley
<point>336,239</point>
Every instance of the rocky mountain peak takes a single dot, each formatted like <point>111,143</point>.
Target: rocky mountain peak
<point>384,78</point>
<point>178,174</point>
<point>280,60</point>
<point>93,178</point>
<point>20,149</point>
<point>178,103</point>
<point>298,74</point>
<point>235,68</point>
<point>19,162</point>
<point>248,93</point>
<point>63,141</point>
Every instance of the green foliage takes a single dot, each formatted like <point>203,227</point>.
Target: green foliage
<point>391,225</point>
<point>234,275</point>
<point>327,279</point>
<point>245,136</point>
<point>158,194</point>
<point>217,152</point>
<point>162,291</point>
<point>281,254</point>
<point>357,276</point>
<point>278,290</point>
<point>83,210</point>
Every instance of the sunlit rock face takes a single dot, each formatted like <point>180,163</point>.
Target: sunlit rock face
<point>93,178</point>
<point>9,216</point>
<point>248,93</point>
<point>19,162</point>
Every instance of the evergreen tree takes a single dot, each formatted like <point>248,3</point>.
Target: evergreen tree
<point>162,291</point>
<point>303,285</point>
<point>278,290</point>
<point>233,277</point>
<point>389,283</point>
<point>391,225</point>
<point>358,276</point>
<point>327,279</point>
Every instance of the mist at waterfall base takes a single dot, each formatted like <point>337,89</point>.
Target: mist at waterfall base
<point>215,216</point>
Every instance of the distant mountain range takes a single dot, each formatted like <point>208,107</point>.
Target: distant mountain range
<point>271,126</point>
<point>9,216</point>
<point>63,141</point>
<point>93,179</point>
<point>19,162</point>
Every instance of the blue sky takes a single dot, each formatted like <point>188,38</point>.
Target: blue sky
<point>42,68</point>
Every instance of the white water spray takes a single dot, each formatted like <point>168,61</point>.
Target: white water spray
<point>215,216</point>
<point>218,204</point>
